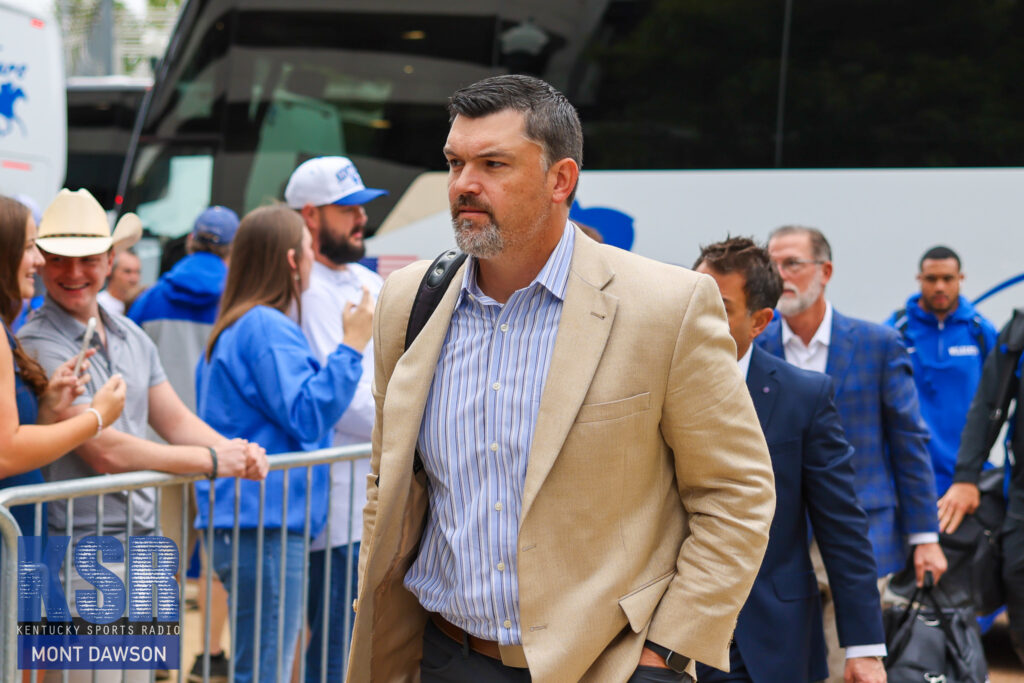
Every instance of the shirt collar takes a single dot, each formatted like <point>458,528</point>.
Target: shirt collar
<point>554,276</point>
<point>822,336</point>
<point>75,328</point>
<point>744,362</point>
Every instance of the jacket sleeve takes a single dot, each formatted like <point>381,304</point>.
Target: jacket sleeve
<point>725,482</point>
<point>302,398</point>
<point>906,439</point>
<point>841,525</point>
<point>974,441</point>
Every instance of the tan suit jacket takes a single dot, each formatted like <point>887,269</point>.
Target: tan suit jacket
<point>649,489</point>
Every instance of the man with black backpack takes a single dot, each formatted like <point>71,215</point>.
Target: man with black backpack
<point>1000,385</point>
<point>947,340</point>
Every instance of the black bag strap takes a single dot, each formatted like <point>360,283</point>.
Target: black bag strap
<point>1011,349</point>
<point>434,284</point>
<point>432,288</point>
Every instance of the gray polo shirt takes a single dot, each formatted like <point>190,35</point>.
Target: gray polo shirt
<point>53,336</point>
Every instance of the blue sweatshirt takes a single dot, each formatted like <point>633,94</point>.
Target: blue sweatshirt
<point>264,384</point>
<point>947,368</point>
<point>189,291</point>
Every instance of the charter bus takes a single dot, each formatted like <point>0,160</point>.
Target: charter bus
<point>891,126</point>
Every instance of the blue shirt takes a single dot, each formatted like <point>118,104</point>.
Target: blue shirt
<point>262,383</point>
<point>475,438</point>
<point>947,361</point>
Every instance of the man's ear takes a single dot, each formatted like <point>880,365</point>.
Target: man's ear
<point>760,320</point>
<point>310,217</point>
<point>826,272</point>
<point>110,262</point>
<point>564,174</point>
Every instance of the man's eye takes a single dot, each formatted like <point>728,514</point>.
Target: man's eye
<point>454,163</point>
<point>494,164</point>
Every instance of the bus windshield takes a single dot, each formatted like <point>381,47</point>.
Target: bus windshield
<point>668,91</point>
<point>251,89</point>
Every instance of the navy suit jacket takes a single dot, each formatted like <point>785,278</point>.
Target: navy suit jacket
<point>779,633</point>
<point>877,403</point>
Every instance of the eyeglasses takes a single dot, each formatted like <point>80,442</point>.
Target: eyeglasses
<point>792,265</point>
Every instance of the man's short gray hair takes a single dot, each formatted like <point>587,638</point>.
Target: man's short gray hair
<point>820,247</point>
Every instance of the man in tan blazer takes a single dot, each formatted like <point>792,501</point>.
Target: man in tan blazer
<point>592,492</point>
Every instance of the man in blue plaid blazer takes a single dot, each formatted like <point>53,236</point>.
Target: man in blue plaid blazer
<point>876,399</point>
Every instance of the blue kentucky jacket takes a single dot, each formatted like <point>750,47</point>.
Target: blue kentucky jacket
<point>947,358</point>
<point>877,402</point>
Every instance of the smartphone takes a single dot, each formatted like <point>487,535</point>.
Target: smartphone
<point>90,329</point>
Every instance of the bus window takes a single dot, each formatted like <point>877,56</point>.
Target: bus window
<point>171,188</point>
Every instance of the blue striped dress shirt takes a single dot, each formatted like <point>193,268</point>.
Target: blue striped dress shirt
<point>475,439</point>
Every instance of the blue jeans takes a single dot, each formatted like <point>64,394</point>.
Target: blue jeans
<point>338,607</point>
<point>274,598</point>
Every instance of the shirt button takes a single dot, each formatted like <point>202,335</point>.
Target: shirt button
<point>496,386</point>
<point>498,507</point>
<point>501,566</point>
<point>494,447</point>
<point>507,624</point>
<point>504,327</point>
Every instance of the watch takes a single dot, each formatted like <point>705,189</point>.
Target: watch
<point>673,660</point>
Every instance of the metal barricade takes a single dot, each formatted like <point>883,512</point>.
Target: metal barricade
<point>72,490</point>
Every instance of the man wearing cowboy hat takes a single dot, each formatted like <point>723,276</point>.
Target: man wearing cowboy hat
<point>79,251</point>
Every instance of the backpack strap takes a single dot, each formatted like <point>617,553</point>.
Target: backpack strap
<point>432,289</point>
<point>901,321</point>
<point>979,336</point>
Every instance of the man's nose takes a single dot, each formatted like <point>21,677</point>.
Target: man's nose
<point>466,182</point>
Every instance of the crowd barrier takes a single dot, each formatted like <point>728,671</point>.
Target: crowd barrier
<point>72,490</point>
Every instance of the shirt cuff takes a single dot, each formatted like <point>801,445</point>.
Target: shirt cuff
<point>921,538</point>
<point>866,651</point>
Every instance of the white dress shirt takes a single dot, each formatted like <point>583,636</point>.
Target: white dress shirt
<point>329,291</point>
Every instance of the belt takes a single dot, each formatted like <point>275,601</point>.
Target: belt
<point>509,655</point>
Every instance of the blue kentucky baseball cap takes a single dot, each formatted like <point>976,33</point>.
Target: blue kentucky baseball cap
<point>216,225</point>
<point>328,180</point>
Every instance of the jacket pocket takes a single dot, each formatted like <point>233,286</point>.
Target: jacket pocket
<point>613,410</point>
<point>795,585</point>
<point>639,605</point>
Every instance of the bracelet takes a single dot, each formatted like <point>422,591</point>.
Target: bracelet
<point>99,420</point>
<point>213,457</point>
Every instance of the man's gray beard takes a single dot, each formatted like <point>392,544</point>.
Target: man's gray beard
<point>803,300</point>
<point>483,243</point>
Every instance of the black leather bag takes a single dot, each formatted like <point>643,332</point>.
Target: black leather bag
<point>973,577</point>
<point>928,642</point>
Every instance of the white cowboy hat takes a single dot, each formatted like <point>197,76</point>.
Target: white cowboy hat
<point>74,224</point>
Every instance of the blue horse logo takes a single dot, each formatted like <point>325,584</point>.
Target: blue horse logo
<point>9,94</point>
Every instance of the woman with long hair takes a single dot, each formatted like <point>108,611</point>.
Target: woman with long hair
<point>259,380</point>
<point>27,397</point>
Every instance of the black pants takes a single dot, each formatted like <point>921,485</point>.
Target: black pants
<point>1013,579</point>
<point>445,661</point>
<point>737,670</point>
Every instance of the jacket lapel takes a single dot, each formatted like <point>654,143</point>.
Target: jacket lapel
<point>840,350</point>
<point>587,315</point>
<point>410,383</point>
<point>763,387</point>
